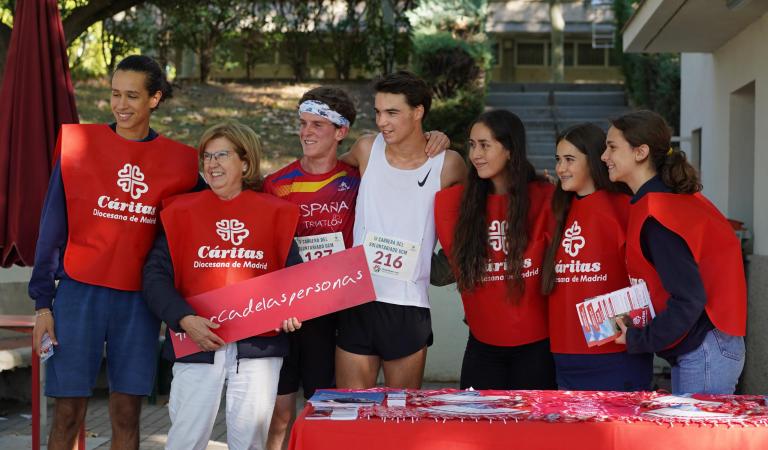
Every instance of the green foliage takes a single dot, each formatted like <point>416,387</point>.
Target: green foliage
<point>450,65</point>
<point>294,21</point>
<point>452,54</point>
<point>453,116</point>
<point>85,57</point>
<point>387,29</point>
<point>126,33</point>
<point>464,19</point>
<point>653,80</point>
<point>346,42</point>
<point>201,26</point>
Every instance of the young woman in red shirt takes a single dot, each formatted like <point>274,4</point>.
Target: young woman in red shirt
<point>495,232</point>
<point>586,259</point>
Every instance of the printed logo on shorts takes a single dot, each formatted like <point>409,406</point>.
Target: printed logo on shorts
<point>497,235</point>
<point>232,230</point>
<point>131,180</point>
<point>573,240</point>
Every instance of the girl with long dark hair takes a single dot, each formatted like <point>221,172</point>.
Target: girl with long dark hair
<point>495,231</point>
<point>586,259</point>
<point>685,250</point>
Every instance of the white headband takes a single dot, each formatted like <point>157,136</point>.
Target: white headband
<point>321,109</point>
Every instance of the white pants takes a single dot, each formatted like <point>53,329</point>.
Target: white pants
<point>196,394</point>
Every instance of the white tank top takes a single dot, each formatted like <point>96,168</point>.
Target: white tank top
<point>400,204</point>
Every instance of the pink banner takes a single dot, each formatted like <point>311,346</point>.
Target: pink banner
<point>304,291</point>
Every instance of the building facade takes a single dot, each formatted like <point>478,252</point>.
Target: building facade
<point>724,105</point>
<point>520,34</point>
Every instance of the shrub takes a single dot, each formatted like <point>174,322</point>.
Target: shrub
<point>453,115</point>
<point>449,65</point>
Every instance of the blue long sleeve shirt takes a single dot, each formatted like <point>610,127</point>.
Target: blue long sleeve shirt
<point>53,234</point>
<point>680,277</point>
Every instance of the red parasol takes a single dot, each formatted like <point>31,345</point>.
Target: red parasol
<point>36,98</point>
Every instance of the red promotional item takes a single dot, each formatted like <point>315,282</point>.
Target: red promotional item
<point>494,318</point>
<point>113,188</point>
<point>714,246</point>
<point>590,261</point>
<point>304,291</point>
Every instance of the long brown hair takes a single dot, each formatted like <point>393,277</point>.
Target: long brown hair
<point>589,139</point>
<point>649,128</point>
<point>470,250</point>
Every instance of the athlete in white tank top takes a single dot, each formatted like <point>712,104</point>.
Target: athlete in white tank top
<point>399,204</point>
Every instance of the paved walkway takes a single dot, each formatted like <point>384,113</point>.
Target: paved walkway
<point>16,425</point>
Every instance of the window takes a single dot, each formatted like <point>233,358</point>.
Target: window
<point>495,55</point>
<point>530,54</point>
<point>588,56</point>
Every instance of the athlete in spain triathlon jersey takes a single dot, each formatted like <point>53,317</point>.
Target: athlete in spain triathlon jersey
<point>325,190</point>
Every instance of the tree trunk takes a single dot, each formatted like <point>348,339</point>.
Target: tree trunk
<point>557,22</point>
<point>94,11</point>
<point>206,57</point>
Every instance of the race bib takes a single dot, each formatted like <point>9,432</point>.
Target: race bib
<point>391,257</point>
<point>314,247</point>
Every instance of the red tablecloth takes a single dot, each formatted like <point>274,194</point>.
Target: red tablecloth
<point>374,433</point>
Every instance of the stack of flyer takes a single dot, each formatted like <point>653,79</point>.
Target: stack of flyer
<point>598,314</point>
<point>340,405</point>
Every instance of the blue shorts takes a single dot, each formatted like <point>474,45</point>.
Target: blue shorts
<point>86,319</point>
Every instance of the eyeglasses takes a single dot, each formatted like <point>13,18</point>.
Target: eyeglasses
<point>221,155</point>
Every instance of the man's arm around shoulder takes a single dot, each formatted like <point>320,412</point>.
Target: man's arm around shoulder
<point>454,170</point>
<point>358,154</point>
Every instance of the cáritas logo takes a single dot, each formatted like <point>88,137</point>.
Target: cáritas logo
<point>497,236</point>
<point>131,180</point>
<point>232,230</point>
<point>573,240</point>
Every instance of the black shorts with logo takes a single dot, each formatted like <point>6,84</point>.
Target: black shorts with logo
<point>310,359</point>
<point>383,329</point>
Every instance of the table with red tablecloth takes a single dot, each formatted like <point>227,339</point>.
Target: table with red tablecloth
<point>545,420</point>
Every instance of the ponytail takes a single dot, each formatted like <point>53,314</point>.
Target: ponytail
<point>677,173</point>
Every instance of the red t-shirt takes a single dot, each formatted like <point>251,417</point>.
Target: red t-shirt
<point>326,201</point>
<point>493,316</point>
<point>590,261</point>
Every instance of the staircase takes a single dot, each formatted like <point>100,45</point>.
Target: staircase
<point>548,108</point>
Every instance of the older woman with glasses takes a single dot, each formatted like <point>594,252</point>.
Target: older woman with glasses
<point>243,226</point>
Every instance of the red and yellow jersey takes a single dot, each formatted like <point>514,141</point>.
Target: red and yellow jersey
<point>326,201</point>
